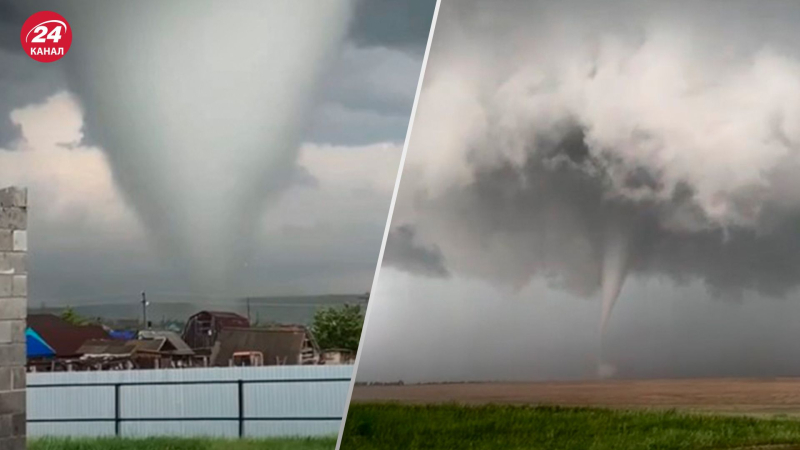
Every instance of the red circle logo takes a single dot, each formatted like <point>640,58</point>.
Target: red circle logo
<point>46,36</point>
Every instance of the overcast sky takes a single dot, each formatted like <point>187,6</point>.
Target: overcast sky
<point>318,137</point>
<point>567,152</point>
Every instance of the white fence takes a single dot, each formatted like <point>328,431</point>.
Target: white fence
<point>226,402</point>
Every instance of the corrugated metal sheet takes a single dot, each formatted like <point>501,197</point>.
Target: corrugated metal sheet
<point>286,400</point>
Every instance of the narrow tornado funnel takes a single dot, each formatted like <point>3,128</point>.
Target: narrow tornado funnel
<point>614,270</point>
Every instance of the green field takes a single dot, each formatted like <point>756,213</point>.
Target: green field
<point>181,444</point>
<point>394,426</point>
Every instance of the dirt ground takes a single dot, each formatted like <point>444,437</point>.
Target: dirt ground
<point>734,396</point>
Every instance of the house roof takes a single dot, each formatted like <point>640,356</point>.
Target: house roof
<point>63,337</point>
<point>107,347</point>
<point>176,345</point>
<point>297,328</point>
<point>226,319</point>
<point>114,347</point>
<point>279,346</point>
<point>149,345</point>
<point>224,314</point>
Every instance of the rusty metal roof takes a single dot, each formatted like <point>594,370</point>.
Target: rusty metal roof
<point>279,346</point>
<point>226,319</point>
<point>63,337</point>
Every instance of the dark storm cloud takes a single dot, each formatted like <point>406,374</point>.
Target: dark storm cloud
<point>552,215</point>
<point>367,95</point>
<point>562,148</point>
<point>566,150</point>
<point>403,251</point>
<point>22,80</point>
<point>11,20</point>
<point>21,83</point>
<point>385,27</point>
<point>390,23</point>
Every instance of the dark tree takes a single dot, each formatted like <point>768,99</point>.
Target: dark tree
<point>338,327</point>
<point>69,315</point>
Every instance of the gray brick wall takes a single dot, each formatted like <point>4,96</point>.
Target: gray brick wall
<point>13,305</point>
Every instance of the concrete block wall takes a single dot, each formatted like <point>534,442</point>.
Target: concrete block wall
<point>13,306</point>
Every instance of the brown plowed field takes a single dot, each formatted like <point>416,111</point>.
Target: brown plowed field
<point>734,396</point>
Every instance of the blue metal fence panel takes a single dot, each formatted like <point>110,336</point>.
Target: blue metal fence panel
<point>276,401</point>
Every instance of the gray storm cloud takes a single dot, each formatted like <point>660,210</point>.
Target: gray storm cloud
<point>412,257</point>
<point>200,107</point>
<point>585,143</point>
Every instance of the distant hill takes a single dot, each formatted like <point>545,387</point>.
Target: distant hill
<point>299,309</point>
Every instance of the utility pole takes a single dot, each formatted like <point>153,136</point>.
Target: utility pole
<point>144,309</point>
<point>248,309</point>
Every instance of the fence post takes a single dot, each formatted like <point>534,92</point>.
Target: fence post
<point>117,417</point>
<point>240,384</point>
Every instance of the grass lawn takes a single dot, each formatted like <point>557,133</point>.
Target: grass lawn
<point>394,426</point>
<point>181,444</point>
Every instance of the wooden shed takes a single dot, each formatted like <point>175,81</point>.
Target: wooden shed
<point>202,329</point>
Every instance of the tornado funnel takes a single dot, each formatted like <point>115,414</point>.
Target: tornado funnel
<point>614,270</point>
<point>201,106</point>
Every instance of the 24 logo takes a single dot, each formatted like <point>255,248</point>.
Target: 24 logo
<point>46,36</point>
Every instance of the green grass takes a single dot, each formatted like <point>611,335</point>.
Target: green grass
<point>181,444</point>
<point>393,426</point>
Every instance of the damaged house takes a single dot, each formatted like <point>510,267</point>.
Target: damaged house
<point>202,329</point>
<point>153,350</point>
<point>280,345</point>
